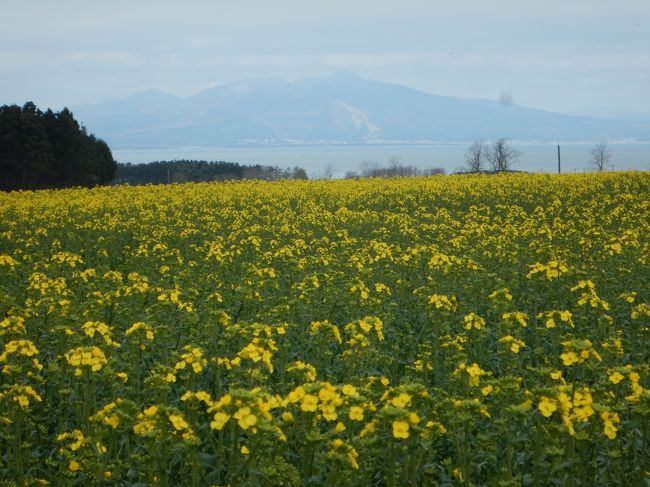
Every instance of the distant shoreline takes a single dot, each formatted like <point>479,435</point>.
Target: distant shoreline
<point>536,156</point>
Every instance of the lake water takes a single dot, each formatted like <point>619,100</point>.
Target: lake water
<point>537,157</point>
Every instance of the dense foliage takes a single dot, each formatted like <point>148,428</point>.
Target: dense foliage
<point>49,149</point>
<point>465,330</point>
<point>183,171</point>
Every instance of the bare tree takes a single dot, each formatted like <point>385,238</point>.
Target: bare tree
<point>475,157</point>
<point>600,156</point>
<point>395,166</point>
<point>298,173</point>
<point>368,169</point>
<point>328,171</point>
<point>502,156</point>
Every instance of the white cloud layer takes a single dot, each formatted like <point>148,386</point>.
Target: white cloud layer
<point>554,55</point>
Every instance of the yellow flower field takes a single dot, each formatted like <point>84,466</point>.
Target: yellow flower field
<point>461,330</point>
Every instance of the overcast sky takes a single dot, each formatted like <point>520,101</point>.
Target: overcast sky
<point>559,55</point>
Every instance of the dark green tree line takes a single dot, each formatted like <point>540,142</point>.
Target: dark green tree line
<point>49,150</point>
<point>182,171</point>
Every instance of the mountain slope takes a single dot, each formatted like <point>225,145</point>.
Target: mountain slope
<point>342,108</point>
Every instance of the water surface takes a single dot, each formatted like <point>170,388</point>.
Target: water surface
<point>537,157</point>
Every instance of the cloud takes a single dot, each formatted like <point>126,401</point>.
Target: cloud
<point>77,52</point>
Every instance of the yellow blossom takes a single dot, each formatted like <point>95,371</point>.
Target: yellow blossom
<point>546,406</point>
<point>400,429</point>
<point>401,400</point>
<point>616,377</point>
<point>309,403</point>
<point>178,422</point>
<point>219,420</point>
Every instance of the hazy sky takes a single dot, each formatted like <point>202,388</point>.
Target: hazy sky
<point>559,55</point>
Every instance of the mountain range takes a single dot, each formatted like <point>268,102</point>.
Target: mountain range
<point>339,109</point>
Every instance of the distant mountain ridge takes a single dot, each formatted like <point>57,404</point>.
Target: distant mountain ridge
<point>339,109</point>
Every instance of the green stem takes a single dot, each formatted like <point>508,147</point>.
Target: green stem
<point>391,464</point>
<point>233,452</point>
<point>570,453</point>
<point>195,468</point>
<point>18,451</point>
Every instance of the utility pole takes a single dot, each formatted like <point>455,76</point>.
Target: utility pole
<point>559,166</point>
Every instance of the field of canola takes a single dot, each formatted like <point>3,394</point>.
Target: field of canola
<point>462,330</point>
